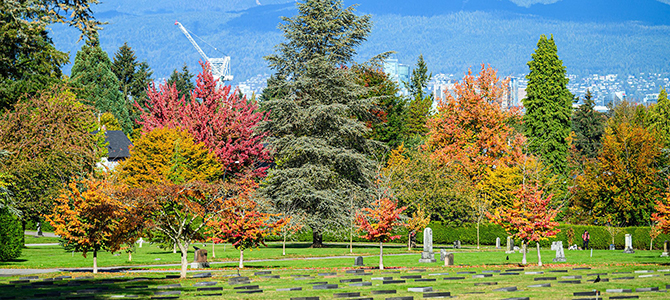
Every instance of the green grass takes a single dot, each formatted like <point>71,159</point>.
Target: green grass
<point>31,239</point>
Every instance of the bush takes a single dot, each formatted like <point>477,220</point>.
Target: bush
<point>600,238</point>
<point>11,236</point>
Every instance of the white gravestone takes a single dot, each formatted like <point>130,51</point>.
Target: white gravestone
<point>629,244</point>
<point>558,247</point>
<point>509,245</point>
<point>427,256</point>
<point>497,243</point>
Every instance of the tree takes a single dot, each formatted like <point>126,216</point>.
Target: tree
<point>662,214</point>
<point>86,217</point>
<point>134,78</point>
<point>214,116</point>
<point>40,164</point>
<point>589,126</point>
<point>183,81</point>
<point>378,223</point>
<point>621,186</point>
<point>11,235</point>
<point>29,62</point>
<point>548,106</point>
<point>97,85</point>
<point>244,225</point>
<point>530,218</point>
<point>420,104</point>
<point>473,134</point>
<point>109,122</point>
<point>417,223</point>
<point>317,124</point>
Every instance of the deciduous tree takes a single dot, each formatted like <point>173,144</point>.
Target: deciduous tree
<point>548,105</point>
<point>658,118</point>
<point>662,214</point>
<point>378,223</point>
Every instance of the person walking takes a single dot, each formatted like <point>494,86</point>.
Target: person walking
<point>585,237</point>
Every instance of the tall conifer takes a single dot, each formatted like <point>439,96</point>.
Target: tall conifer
<point>316,122</point>
<point>548,105</point>
<point>589,127</point>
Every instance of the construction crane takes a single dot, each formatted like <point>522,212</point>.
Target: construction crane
<point>220,66</point>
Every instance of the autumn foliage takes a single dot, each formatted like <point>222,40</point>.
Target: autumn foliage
<point>379,221</point>
<point>215,116</point>
<point>662,214</point>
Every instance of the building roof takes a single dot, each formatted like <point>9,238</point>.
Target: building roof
<point>119,144</point>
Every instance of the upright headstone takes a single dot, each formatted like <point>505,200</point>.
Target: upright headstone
<point>612,247</point>
<point>629,244</point>
<point>427,256</point>
<point>443,254</point>
<point>449,259</point>
<point>509,245</point>
<point>498,243</point>
<point>200,259</point>
<point>665,249</point>
<point>358,262</point>
<point>457,244</point>
<point>140,241</point>
<point>558,247</point>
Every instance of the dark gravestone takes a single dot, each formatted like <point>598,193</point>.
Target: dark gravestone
<point>590,293</point>
<point>401,298</point>
<point>572,277</point>
<point>383,292</point>
<point>619,290</point>
<point>361,284</point>
<point>205,283</point>
<point>467,272</point>
<point>250,292</point>
<point>509,273</point>
<point>262,273</point>
<point>29,278</point>
<point>482,275</point>
<point>626,297</point>
<point>137,287</point>
<point>202,275</point>
<point>270,276</point>
<point>570,281</point>
<point>358,262</point>
<point>327,274</point>
<point>172,276</point>
<point>19,281</point>
<point>305,298</point>
<point>347,295</point>
<point>246,287</point>
<point>485,283</point>
<point>558,271</point>
<point>491,271</point>
<point>623,278</point>
<point>648,289</point>
<point>318,282</point>
<point>325,286</point>
<point>596,274</point>
<point>351,280</point>
<point>209,295</point>
<point>214,288</point>
<point>425,279</point>
<point>421,289</point>
<point>392,281</point>
<point>290,289</point>
<point>410,276</point>
<point>437,295</point>
<point>506,289</point>
<point>517,298</point>
<point>359,271</point>
<point>513,270</point>
<point>544,278</point>
<point>581,268</point>
<point>382,278</point>
<point>617,273</point>
<point>453,278</point>
<point>165,297</point>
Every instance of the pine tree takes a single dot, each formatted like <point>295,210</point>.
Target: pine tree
<point>317,124</point>
<point>96,83</point>
<point>134,78</point>
<point>589,127</point>
<point>183,81</point>
<point>420,103</point>
<point>548,106</point>
<point>123,66</point>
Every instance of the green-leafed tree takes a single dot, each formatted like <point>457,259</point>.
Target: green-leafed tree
<point>548,106</point>
<point>589,127</point>
<point>95,82</point>
<point>134,77</point>
<point>29,62</point>
<point>658,118</point>
<point>420,102</point>
<point>317,124</point>
<point>183,81</point>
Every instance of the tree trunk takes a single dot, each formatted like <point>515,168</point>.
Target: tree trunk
<point>351,240</point>
<point>478,234</point>
<point>283,246</point>
<point>130,256</point>
<point>317,239</point>
<point>381,256</point>
<point>174,248</point>
<point>241,259</point>
<point>523,248</point>
<point>651,244</point>
<point>184,260</point>
<point>539,257</point>
<point>95,262</point>
<point>213,243</point>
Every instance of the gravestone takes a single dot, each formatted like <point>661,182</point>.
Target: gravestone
<point>612,247</point>
<point>510,244</point>
<point>498,243</point>
<point>457,245</point>
<point>558,247</point>
<point>358,262</point>
<point>427,256</point>
<point>665,249</point>
<point>200,259</point>
<point>140,241</point>
<point>629,244</point>
<point>443,254</point>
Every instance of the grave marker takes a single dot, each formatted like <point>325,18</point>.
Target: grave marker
<point>665,249</point>
<point>358,262</point>
<point>560,254</point>
<point>200,259</point>
<point>510,245</point>
<point>498,243</point>
<point>427,256</point>
<point>629,244</point>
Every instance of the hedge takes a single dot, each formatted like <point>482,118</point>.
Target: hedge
<point>600,238</point>
<point>11,235</point>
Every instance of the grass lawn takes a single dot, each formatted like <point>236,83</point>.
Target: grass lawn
<point>311,262</point>
<point>31,239</point>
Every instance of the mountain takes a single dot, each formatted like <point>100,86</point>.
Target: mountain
<point>593,36</point>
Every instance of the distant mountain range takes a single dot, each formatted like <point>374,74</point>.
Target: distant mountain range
<point>593,36</point>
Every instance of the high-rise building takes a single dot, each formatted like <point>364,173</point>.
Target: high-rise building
<point>397,72</point>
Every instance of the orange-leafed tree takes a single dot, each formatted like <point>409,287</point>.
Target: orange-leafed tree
<point>378,223</point>
<point>473,134</point>
<point>662,215</point>
<point>530,218</point>
<point>87,217</point>
<point>418,222</point>
<point>243,224</point>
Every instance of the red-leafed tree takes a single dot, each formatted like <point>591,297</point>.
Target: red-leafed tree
<point>215,116</point>
<point>530,218</point>
<point>243,224</point>
<point>662,216</point>
<point>378,222</point>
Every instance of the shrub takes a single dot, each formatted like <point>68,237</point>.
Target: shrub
<point>11,235</point>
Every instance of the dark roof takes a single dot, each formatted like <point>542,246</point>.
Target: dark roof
<point>118,144</point>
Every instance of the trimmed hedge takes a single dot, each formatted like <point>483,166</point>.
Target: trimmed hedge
<point>600,238</point>
<point>11,235</point>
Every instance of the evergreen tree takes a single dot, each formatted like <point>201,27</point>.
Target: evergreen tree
<point>548,106</point>
<point>589,127</point>
<point>183,81</point>
<point>316,123</point>
<point>658,118</point>
<point>134,78</point>
<point>95,82</point>
<point>419,106</point>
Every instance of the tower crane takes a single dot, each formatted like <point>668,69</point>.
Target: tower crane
<point>220,66</point>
